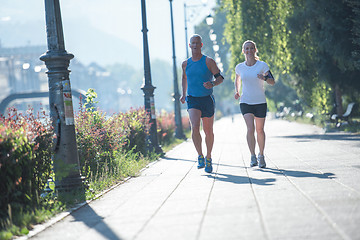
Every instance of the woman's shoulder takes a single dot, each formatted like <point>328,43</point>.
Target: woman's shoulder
<point>262,63</point>
<point>240,64</point>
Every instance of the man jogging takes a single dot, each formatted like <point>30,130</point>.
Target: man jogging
<point>197,91</point>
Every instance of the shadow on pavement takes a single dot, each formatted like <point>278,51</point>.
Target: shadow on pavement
<point>241,179</point>
<point>88,216</point>
<point>178,159</point>
<point>299,174</point>
<point>336,137</point>
<point>187,160</point>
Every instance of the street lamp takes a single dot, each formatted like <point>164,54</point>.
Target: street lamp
<point>209,20</point>
<point>216,48</point>
<point>57,60</point>
<point>212,35</point>
<point>148,88</point>
<point>176,96</point>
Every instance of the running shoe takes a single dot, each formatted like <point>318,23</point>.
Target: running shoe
<point>262,163</point>
<point>254,161</point>
<point>201,162</point>
<point>208,165</point>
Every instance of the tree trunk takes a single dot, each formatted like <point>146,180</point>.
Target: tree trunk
<point>338,101</point>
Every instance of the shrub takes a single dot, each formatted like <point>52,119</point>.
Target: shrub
<point>166,127</point>
<point>101,138</point>
<point>25,162</point>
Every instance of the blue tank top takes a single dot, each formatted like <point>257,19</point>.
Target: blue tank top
<point>197,73</point>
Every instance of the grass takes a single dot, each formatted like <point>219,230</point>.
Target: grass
<point>323,122</point>
<point>25,221</point>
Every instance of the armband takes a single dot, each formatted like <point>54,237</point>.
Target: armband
<point>269,75</point>
<point>218,75</point>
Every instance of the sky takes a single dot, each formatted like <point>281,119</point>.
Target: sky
<point>105,30</point>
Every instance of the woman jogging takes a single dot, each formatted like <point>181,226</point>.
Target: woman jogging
<point>251,74</point>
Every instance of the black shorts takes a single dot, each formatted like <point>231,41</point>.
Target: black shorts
<point>259,110</point>
<point>205,104</point>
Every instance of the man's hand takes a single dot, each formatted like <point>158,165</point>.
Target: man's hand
<point>208,85</point>
<point>237,95</point>
<point>182,99</point>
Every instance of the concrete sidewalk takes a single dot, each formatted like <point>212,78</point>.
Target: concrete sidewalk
<point>309,190</point>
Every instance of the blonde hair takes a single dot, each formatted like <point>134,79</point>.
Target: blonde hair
<point>252,42</point>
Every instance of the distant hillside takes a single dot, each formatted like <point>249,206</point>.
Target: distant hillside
<point>86,43</point>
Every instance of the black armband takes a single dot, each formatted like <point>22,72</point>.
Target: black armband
<point>269,75</point>
<point>218,75</point>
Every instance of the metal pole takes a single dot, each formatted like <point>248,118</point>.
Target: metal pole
<point>186,33</point>
<point>178,124</point>
<point>148,88</point>
<point>188,20</point>
<point>57,60</point>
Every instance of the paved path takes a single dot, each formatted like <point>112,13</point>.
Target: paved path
<point>309,190</point>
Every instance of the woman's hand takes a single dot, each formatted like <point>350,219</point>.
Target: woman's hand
<point>261,76</point>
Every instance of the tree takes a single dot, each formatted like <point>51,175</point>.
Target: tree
<point>265,23</point>
<point>326,28</point>
<point>312,45</point>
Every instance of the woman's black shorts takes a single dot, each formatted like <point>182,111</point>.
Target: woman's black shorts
<point>259,110</point>
<point>205,104</point>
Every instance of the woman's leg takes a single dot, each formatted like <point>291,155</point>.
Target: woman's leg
<point>249,120</point>
<point>260,133</point>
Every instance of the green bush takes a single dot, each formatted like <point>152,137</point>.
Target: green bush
<point>25,162</point>
<point>166,127</point>
<point>101,138</point>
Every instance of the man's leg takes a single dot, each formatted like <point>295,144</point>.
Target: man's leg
<point>195,116</point>
<point>208,123</point>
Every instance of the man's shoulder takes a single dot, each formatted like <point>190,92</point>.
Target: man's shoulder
<point>209,59</point>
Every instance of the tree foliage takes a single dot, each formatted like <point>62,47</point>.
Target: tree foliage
<point>312,45</point>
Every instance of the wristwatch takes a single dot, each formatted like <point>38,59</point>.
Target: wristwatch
<point>212,83</point>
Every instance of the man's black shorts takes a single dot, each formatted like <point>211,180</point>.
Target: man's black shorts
<point>259,110</point>
<point>205,104</point>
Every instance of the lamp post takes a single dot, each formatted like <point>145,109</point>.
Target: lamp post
<point>186,35</point>
<point>176,96</point>
<point>186,20</point>
<point>148,88</point>
<point>57,60</point>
